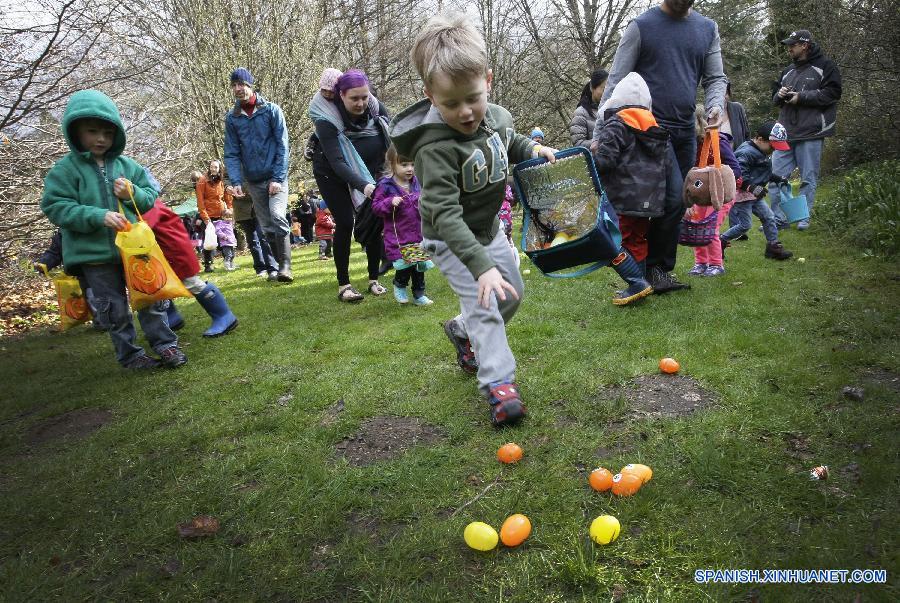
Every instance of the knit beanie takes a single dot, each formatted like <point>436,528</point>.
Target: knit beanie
<point>242,75</point>
<point>329,78</point>
<point>537,132</point>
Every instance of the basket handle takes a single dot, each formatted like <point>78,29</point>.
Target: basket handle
<point>577,273</point>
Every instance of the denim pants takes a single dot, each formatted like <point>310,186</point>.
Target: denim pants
<point>805,155</point>
<point>263,260</point>
<point>740,220</point>
<point>402,278</point>
<point>108,284</point>
<point>325,247</point>
<point>662,237</point>
<point>484,327</point>
<point>270,210</point>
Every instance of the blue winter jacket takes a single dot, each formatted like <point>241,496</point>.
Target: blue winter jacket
<point>256,147</point>
<point>756,166</point>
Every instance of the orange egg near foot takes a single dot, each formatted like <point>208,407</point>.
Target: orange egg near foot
<point>642,471</point>
<point>600,479</point>
<point>509,453</point>
<point>669,366</point>
<point>626,484</point>
<point>515,530</point>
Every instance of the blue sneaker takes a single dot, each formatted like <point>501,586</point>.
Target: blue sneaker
<point>422,301</point>
<point>401,295</point>
<point>697,270</point>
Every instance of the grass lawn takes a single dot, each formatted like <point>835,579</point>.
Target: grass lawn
<point>273,430</point>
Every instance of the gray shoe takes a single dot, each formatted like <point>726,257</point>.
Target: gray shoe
<point>802,224</point>
<point>142,362</point>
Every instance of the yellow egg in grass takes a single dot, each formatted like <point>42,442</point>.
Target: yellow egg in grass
<point>480,536</point>
<point>605,529</point>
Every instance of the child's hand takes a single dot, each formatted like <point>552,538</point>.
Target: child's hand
<point>116,221</point>
<point>396,201</point>
<point>120,188</point>
<point>368,190</point>
<point>493,282</point>
<point>548,154</point>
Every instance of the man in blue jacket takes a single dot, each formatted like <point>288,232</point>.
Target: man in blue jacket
<point>807,92</point>
<point>256,157</point>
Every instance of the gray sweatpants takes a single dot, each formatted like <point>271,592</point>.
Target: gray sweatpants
<point>485,327</point>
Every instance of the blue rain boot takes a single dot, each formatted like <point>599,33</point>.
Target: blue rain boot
<point>633,275</point>
<point>173,316</point>
<point>212,300</point>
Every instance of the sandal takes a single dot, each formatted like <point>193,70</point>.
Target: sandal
<point>350,295</point>
<point>376,288</point>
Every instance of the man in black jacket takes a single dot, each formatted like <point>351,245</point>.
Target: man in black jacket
<point>807,92</point>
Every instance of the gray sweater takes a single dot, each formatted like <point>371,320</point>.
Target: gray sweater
<point>674,56</point>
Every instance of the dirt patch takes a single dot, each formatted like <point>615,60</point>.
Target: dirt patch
<point>76,424</point>
<point>661,396</point>
<point>385,438</point>
<point>880,377</point>
<point>373,528</point>
<point>332,413</point>
<point>797,446</point>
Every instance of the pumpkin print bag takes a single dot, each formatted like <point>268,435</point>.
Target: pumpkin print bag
<point>147,273</point>
<point>73,307</point>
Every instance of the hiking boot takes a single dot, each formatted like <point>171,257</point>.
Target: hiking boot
<point>776,251</point>
<point>664,282</point>
<point>465,357</point>
<point>172,357</point>
<point>142,362</point>
<point>506,406</point>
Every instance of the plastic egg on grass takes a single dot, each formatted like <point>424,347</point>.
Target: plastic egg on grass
<point>480,536</point>
<point>605,529</point>
<point>600,479</point>
<point>669,366</point>
<point>626,484</point>
<point>526,272</point>
<point>515,530</point>
<point>801,260</point>
<point>642,471</point>
<point>509,453</point>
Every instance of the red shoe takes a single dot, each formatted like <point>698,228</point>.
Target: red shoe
<point>506,406</point>
<point>465,357</point>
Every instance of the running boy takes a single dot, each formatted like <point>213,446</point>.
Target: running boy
<point>80,192</point>
<point>462,146</point>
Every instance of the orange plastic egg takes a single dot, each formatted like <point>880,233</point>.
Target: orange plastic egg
<point>515,530</point>
<point>600,479</point>
<point>509,453</point>
<point>642,471</point>
<point>626,484</point>
<point>669,366</point>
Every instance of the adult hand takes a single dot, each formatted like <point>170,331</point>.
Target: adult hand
<point>396,201</point>
<point>274,188</point>
<point>116,221</point>
<point>548,154</point>
<point>237,191</point>
<point>120,188</point>
<point>493,282</point>
<point>370,188</point>
<point>714,118</point>
<point>594,146</point>
<point>793,98</point>
<point>784,91</point>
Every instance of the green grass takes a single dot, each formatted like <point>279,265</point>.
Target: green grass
<point>96,518</point>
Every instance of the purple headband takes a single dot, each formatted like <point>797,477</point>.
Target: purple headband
<point>352,78</point>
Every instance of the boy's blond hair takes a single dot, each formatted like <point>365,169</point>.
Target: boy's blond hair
<point>451,45</point>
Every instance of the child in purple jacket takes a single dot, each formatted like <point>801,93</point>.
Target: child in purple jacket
<point>396,201</point>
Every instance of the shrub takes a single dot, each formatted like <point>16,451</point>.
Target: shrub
<point>864,208</point>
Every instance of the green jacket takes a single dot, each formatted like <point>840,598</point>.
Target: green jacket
<point>463,177</point>
<point>77,193</point>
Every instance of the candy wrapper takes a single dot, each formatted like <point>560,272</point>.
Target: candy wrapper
<point>562,200</point>
<point>819,473</point>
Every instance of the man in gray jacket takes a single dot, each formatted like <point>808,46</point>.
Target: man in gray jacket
<point>675,50</point>
<point>807,92</point>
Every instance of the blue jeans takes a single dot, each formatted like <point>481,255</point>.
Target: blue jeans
<point>270,210</point>
<point>662,237</point>
<point>806,155</point>
<point>108,284</point>
<point>740,220</point>
<point>263,260</point>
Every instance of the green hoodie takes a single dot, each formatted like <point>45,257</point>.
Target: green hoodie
<point>77,194</point>
<point>463,177</point>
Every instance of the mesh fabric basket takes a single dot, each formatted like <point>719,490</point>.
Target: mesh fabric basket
<point>698,233</point>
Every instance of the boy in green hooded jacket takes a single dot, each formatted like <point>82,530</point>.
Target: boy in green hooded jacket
<point>82,193</point>
<point>462,147</point>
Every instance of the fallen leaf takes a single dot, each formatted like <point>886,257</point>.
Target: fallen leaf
<point>199,527</point>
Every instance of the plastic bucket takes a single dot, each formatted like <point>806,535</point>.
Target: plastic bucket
<point>794,208</point>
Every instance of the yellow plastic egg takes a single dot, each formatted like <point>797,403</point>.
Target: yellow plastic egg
<point>515,530</point>
<point>480,536</point>
<point>559,239</point>
<point>605,529</point>
<point>642,471</point>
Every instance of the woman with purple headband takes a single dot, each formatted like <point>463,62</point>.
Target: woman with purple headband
<point>352,133</point>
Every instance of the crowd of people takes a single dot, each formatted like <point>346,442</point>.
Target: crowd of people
<point>429,188</point>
